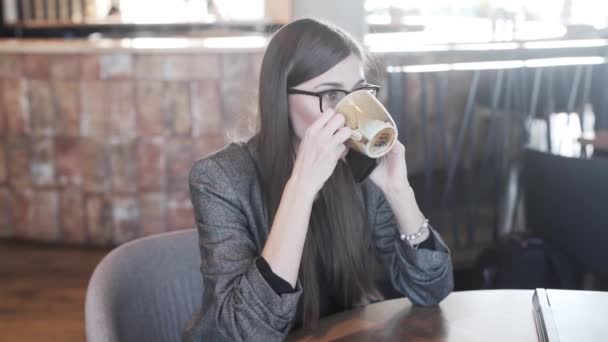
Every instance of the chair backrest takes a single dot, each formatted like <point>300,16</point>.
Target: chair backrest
<point>567,205</point>
<point>145,290</point>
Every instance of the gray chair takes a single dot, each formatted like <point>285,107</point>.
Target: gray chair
<point>145,290</point>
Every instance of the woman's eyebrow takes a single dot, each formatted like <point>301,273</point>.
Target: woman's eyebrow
<point>330,84</point>
<point>338,84</point>
<point>360,83</point>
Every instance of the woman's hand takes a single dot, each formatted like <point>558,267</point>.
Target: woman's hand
<point>391,173</point>
<point>319,152</point>
<point>391,177</point>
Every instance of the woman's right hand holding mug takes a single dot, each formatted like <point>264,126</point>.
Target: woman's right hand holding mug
<point>319,152</point>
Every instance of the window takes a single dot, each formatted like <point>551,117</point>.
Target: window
<point>469,21</point>
<point>177,11</point>
<point>590,12</point>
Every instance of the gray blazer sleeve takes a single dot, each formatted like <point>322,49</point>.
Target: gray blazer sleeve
<point>424,276</point>
<point>237,300</point>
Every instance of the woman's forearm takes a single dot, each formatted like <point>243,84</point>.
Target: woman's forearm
<point>406,211</point>
<point>283,249</point>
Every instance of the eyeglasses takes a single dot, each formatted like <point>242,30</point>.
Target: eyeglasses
<point>328,99</point>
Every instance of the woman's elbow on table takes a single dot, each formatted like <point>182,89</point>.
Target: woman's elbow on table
<point>433,291</point>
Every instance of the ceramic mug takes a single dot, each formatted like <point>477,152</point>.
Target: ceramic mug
<point>374,130</point>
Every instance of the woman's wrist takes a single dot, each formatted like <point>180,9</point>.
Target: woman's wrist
<point>420,236</point>
<point>402,201</point>
<point>285,243</point>
<point>299,188</point>
<point>398,191</point>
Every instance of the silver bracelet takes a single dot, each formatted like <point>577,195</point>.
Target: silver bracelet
<point>423,228</point>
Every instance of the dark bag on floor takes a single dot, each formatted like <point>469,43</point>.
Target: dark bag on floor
<point>525,262</point>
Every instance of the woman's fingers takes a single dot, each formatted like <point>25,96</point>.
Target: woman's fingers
<point>329,133</point>
<point>341,135</point>
<point>334,124</point>
<point>341,149</point>
<point>398,148</point>
<point>322,120</point>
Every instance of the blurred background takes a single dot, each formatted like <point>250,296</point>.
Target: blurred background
<point>106,104</point>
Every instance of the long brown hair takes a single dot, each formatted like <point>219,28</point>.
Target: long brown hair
<point>338,246</point>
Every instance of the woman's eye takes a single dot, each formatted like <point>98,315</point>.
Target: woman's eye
<point>333,95</point>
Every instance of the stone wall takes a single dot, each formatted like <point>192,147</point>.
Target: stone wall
<point>96,143</point>
<point>95,148</point>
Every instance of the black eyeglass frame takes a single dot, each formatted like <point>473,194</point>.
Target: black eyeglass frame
<point>321,93</point>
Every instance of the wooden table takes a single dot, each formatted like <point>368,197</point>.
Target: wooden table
<point>496,315</point>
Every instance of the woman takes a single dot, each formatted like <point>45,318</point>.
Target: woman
<point>286,234</point>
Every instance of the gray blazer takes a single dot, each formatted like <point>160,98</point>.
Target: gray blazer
<point>238,303</point>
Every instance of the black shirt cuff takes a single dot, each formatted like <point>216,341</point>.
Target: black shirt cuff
<point>278,284</point>
<point>429,243</point>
